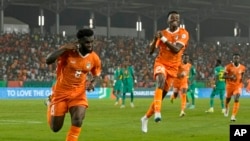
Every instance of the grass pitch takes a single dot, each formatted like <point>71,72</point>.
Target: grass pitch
<point>25,120</point>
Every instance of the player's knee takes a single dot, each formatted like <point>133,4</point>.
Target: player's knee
<point>55,128</point>
<point>77,122</point>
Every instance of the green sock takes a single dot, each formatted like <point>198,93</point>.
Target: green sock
<point>123,98</point>
<point>192,97</point>
<point>222,101</point>
<point>132,97</point>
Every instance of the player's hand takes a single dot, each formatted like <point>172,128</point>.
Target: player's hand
<point>71,46</point>
<point>233,77</point>
<point>91,87</point>
<point>158,34</point>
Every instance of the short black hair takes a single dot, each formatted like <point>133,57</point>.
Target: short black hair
<point>172,12</point>
<point>218,61</point>
<point>184,54</point>
<point>236,54</point>
<point>85,32</point>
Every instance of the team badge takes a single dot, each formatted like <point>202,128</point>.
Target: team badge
<point>88,65</point>
<point>183,36</point>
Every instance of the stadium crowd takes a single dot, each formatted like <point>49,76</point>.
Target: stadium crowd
<point>23,57</point>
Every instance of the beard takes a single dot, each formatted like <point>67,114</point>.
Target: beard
<point>84,50</point>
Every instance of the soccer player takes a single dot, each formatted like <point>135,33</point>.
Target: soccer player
<point>191,85</point>
<point>180,84</point>
<point>219,87</point>
<point>171,43</point>
<point>74,62</point>
<point>234,75</point>
<point>128,80</point>
<point>118,85</point>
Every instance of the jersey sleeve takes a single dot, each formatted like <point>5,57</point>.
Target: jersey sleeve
<point>96,70</point>
<point>183,38</point>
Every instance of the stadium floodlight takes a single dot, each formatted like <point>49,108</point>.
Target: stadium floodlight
<point>91,23</point>
<point>64,33</point>
<point>236,30</point>
<point>218,43</point>
<point>139,24</point>
<point>41,20</point>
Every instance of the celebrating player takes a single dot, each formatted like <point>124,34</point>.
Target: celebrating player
<point>74,62</point>
<point>171,42</point>
<point>180,84</point>
<point>234,75</point>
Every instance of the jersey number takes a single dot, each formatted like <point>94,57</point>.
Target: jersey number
<point>221,74</point>
<point>78,73</point>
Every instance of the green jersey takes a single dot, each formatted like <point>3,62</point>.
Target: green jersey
<point>128,79</point>
<point>118,74</point>
<point>219,80</point>
<point>192,75</point>
<point>118,79</point>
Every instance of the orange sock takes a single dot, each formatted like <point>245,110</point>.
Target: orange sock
<point>151,110</point>
<point>73,133</point>
<point>48,115</point>
<point>235,108</point>
<point>183,101</point>
<point>157,100</point>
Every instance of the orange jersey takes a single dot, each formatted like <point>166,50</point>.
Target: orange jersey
<point>182,82</point>
<point>72,70</point>
<point>166,56</point>
<point>231,69</point>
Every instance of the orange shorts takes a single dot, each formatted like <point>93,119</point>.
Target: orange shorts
<point>180,84</point>
<point>167,72</point>
<point>60,104</point>
<point>230,91</point>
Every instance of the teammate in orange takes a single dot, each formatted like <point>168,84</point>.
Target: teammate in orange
<point>180,84</point>
<point>74,62</point>
<point>171,43</point>
<point>234,75</point>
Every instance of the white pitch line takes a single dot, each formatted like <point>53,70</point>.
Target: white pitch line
<point>19,122</point>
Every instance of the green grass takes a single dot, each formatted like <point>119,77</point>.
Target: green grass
<point>25,120</point>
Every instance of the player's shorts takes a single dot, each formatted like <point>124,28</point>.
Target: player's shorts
<point>230,91</point>
<point>168,72</point>
<point>118,86</point>
<point>179,84</point>
<point>217,91</point>
<point>60,104</point>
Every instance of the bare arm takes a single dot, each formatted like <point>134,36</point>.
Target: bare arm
<point>173,47</point>
<point>152,45</point>
<point>231,77</point>
<point>92,84</point>
<point>51,58</point>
